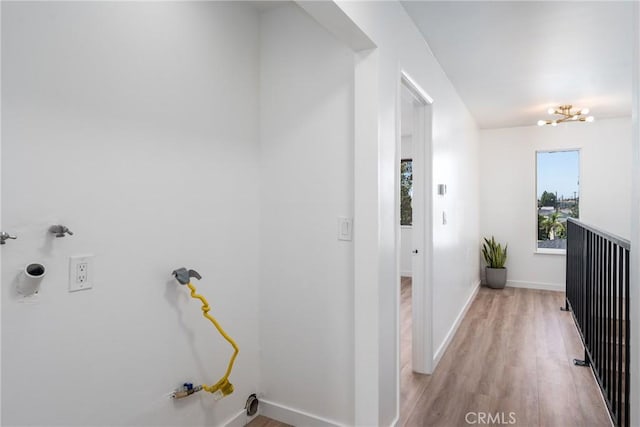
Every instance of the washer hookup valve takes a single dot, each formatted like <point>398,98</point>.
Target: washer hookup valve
<point>183,276</point>
<point>187,389</point>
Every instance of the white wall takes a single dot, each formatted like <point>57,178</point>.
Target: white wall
<point>406,231</point>
<point>508,186</point>
<point>634,285</point>
<point>148,116</point>
<point>406,149</point>
<point>306,299</point>
<point>455,151</point>
<point>136,125</point>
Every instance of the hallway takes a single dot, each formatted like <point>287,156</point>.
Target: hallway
<point>511,358</point>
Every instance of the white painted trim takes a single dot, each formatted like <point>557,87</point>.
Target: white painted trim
<point>536,285</point>
<point>294,416</point>
<point>398,246</point>
<point>545,251</point>
<point>422,268</point>
<point>333,19</point>
<point>406,274</point>
<point>454,328</point>
<point>366,251</point>
<point>366,203</point>
<point>634,255</point>
<point>418,92</point>
<point>240,419</point>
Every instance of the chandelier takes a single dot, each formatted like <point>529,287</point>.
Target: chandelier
<point>566,115</point>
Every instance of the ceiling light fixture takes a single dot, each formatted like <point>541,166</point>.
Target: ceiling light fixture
<point>567,115</point>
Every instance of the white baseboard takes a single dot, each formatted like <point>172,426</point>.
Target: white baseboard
<point>239,420</point>
<point>452,331</point>
<point>535,285</point>
<point>293,416</point>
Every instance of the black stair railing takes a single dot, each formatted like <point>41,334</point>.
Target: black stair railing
<point>597,294</point>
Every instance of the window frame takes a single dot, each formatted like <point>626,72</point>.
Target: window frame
<point>547,251</point>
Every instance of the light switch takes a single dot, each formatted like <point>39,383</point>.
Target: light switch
<point>345,228</point>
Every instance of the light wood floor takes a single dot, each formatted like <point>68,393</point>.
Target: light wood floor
<point>261,421</point>
<point>513,353</point>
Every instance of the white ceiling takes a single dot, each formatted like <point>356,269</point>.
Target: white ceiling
<point>511,61</point>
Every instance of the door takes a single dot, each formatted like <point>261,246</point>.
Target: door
<point>421,253</point>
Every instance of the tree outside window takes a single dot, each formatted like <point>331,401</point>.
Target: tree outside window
<point>558,181</point>
<point>406,192</point>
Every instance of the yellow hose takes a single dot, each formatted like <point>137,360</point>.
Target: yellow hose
<point>223,385</point>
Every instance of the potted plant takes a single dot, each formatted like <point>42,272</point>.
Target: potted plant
<point>495,257</point>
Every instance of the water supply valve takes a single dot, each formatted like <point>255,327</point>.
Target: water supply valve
<point>183,276</point>
<point>4,236</point>
<point>187,389</point>
<point>60,230</point>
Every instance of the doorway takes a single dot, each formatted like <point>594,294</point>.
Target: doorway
<point>414,230</point>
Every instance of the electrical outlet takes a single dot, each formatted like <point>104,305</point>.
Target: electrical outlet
<point>80,272</point>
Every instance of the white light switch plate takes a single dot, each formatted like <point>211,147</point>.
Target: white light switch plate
<point>345,228</point>
<point>80,272</point>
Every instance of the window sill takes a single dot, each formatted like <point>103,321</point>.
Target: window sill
<point>542,251</point>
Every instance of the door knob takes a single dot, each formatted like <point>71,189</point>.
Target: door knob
<point>415,251</point>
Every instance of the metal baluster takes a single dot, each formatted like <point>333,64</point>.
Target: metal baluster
<point>619,322</point>
<point>616,368</point>
<point>626,339</point>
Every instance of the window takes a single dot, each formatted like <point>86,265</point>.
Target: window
<point>406,191</point>
<point>557,190</point>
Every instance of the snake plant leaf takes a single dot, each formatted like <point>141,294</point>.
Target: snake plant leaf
<point>493,253</point>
